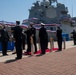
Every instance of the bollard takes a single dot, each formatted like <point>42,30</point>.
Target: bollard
<point>51,44</point>
<point>32,47</point>
<point>64,39</point>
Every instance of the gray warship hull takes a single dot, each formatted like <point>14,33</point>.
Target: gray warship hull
<point>50,12</point>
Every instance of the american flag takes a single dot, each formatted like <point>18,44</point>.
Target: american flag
<point>7,23</point>
<point>24,26</point>
<point>34,18</point>
<point>30,19</point>
<point>24,21</point>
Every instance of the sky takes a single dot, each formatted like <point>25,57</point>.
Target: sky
<point>12,10</point>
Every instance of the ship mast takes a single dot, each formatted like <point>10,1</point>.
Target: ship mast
<point>52,1</point>
<point>72,10</point>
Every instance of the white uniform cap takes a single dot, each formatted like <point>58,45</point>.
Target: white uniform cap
<point>43,24</point>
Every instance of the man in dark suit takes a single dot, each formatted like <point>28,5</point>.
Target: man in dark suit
<point>28,34</point>
<point>59,38</point>
<point>4,40</point>
<point>23,41</point>
<point>12,37</point>
<point>33,35</point>
<point>43,38</point>
<point>74,36</point>
<point>17,36</point>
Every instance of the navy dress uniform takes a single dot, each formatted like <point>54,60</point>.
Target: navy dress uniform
<point>74,36</point>
<point>18,41</point>
<point>23,40</point>
<point>43,38</point>
<point>33,35</point>
<point>28,34</point>
<point>59,38</point>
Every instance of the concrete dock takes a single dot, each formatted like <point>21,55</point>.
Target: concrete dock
<point>52,63</point>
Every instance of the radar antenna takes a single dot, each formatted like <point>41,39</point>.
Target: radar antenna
<point>52,1</point>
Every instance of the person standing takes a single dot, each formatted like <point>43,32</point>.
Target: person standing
<point>23,40</point>
<point>18,41</point>
<point>74,36</point>
<point>12,37</point>
<point>33,35</point>
<point>43,38</point>
<point>47,41</point>
<point>4,40</point>
<point>59,38</point>
<point>28,34</point>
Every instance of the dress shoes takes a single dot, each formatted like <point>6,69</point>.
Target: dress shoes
<point>14,53</point>
<point>17,58</point>
<point>58,50</point>
<point>5,54</point>
<point>35,52</point>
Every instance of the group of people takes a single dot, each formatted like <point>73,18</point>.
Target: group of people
<point>43,37</point>
<point>19,37</point>
<point>60,38</point>
<point>31,33</point>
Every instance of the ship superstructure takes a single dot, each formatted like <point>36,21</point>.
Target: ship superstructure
<point>52,14</point>
<point>45,11</point>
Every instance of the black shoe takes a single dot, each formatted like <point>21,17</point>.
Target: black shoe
<point>5,54</point>
<point>17,58</point>
<point>58,50</point>
<point>35,52</point>
<point>40,55</point>
<point>14,53</point>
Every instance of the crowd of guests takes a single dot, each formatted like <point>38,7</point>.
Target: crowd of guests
<point>19,37</point>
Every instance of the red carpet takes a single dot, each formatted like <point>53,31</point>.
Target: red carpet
<point>39,51</point>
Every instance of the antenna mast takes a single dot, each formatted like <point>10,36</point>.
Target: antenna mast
<point>72,10</point>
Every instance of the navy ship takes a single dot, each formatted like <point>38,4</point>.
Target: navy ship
<point>52,14</point>
<point>45,11</point>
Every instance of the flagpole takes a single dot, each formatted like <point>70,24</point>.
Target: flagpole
<point>72,10</point>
